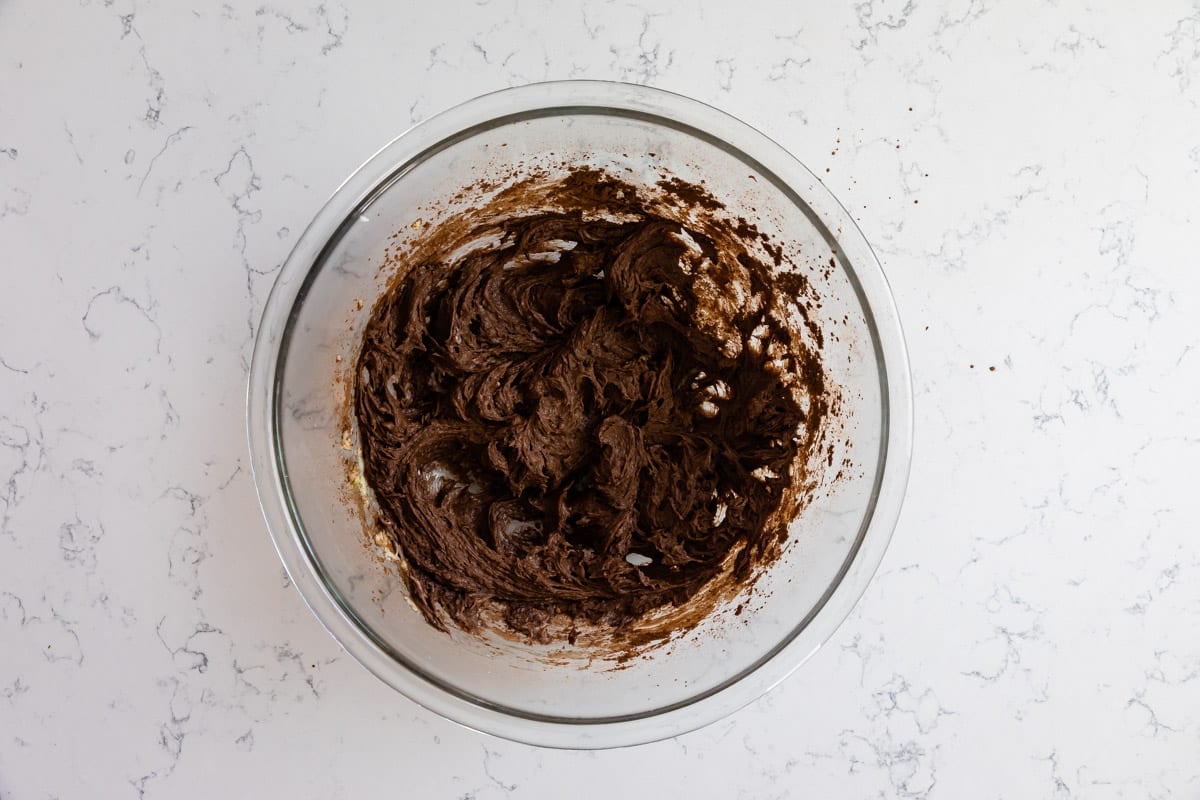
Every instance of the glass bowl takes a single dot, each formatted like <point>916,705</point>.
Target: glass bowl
<point>299,442</point>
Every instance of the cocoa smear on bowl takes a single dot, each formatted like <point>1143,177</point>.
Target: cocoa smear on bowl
<point>587,413</point>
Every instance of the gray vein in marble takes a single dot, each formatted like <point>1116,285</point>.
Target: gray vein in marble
<point>19,206</point>
<point>1183,48</point>
<point>71,141</point>
<point>872,26</point>
<point>28,446</point>
<point>170,140</point>
<point>111,295</point>
<point>648,65</point>
<point>78,540</point>
<point>21,371</point>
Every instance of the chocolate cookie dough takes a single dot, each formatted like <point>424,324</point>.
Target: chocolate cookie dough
<point>573,416</point>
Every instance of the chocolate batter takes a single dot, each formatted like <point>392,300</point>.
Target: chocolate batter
<point>569,417</point>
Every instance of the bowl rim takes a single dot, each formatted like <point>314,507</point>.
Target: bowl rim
<point>853,254</point>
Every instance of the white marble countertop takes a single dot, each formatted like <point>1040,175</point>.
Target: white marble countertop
<point>1029,174</point>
